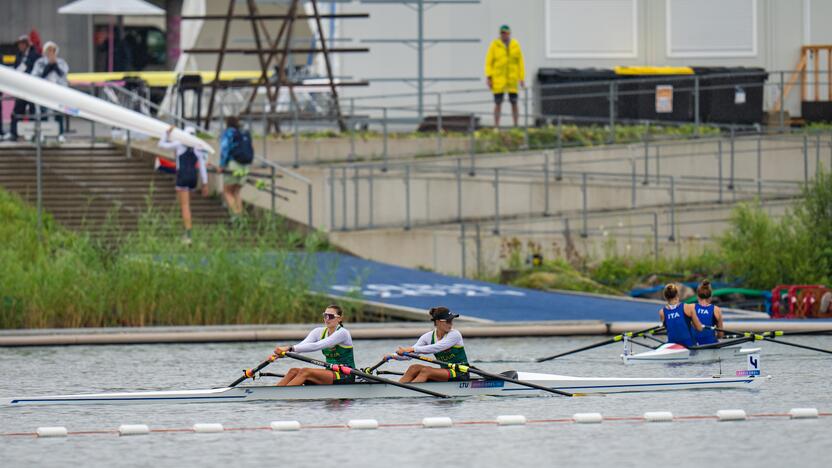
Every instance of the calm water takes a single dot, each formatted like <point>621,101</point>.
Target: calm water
<point>801,379</point>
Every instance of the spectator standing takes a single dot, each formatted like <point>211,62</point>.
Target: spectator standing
<point>188,161</point>
<point>52,68</point>
<point>504,70</point>
<point>24,61</point>
<point>236,156</point>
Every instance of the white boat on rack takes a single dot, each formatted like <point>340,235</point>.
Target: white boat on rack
<point>676,353</point>
<point>474,387</point>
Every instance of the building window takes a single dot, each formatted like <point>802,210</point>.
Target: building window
<point>591,28</point>
<point>711,28</point>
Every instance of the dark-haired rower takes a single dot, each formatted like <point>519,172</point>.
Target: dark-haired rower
<point>677,318</point>
<point>707,313</point>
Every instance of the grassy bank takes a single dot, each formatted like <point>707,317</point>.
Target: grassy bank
<point>228,276</point>
<point>756,251</point>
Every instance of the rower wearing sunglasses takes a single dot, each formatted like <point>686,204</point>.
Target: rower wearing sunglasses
<point>334,341</point>
<point>444,343</point>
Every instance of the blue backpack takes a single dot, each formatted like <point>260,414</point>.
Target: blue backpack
<point>241,149</point>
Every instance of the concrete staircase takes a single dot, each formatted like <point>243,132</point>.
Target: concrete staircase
<point>84,187</point>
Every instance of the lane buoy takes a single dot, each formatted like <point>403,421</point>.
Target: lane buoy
<point>208,428</point>
<point>658,416</point>
<point>803,413</point>
<point>441,421</point>
<point>285,426</point>
<point>731,415</point>
<point>362,424</point>
<point>54,431</point>
<point>511,420</point>
<point>588,418</point>
<point>133,429</point>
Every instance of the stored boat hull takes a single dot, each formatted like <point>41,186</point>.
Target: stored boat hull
<point>676,353</point>
<point>476,387</point>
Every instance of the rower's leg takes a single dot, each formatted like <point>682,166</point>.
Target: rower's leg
<point>431,374</point>
<point>316,376</point>
<point>293,372</point>
<point>411,373</point>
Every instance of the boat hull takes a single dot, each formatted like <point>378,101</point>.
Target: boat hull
<point>670,353</point>
<point>470,388</point>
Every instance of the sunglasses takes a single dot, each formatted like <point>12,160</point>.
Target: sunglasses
<point>328,316</point>
<point>450,320</point>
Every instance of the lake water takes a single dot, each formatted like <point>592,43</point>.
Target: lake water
<point>800,379</point>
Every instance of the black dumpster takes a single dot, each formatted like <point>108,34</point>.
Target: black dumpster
<point>731,95</point>
<point>656,97</point>
<point>572,92</point>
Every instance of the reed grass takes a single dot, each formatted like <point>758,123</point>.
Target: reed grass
<point>251,274</point>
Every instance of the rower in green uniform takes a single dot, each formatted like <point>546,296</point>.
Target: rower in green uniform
<point>334,341</point>
<point>444,342</point>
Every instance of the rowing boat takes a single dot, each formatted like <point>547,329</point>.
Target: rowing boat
<point>474,387</point>
<point>676,353</point>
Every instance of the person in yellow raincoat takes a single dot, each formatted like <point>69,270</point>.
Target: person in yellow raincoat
<point>504,70</point>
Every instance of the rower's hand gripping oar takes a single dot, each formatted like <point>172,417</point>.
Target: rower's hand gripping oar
<point>770,336</point>
<point>349,370</point>
<point>612,340</point>
<point>250,373</point>
<point>489,375</point>
<point>370,370</point>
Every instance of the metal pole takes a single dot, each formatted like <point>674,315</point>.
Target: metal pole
<point>760,168</point>
<point>459,190</point>
<point>817,153</point>
<point>344,198</point>
<point>129,145</point>
<point>658,164</point>
<point>355,196</point>
<point>370,203</point>
<point>731,167</point>
<point>39,169</point>
<point>559,175</point>
<point>655,236</point>
<point>92,122</point>
<point>309,206</point>
<point>297,134</point>
<point>332,198</point>
<point>420,52</point>
<point>633,185</point>
<point>646,159</point>
<point>471,144</point>
<point>497,201</point>
<point>782,102</point>
<point>696,118</point>
<point>266,108</point>
<point>805,158</point>
<point>351,156</point>
<point>439,127</point>
<point>407,197</point>
<point>545,183</point>
<point>672,237</point>
<point>274,190</point>
<point>478,245</point>
<point>719,168</point>
<point>384,154</point>
<point>526,118</point>
<point>584,232</point>
<point>462,246</point>
<point>612,111</point>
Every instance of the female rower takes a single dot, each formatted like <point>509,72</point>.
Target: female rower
<point>444,343</point>
<point>677,318</point>
<point>709,314</point>
<point>334,341</point>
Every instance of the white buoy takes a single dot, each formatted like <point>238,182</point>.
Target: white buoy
<point>285,426</point>
<point>362,424</point>
<point>803,413</point>
<point>511,420</point>
<point>56,431</point>
<point>133,429</point>
<point>658,416</point>
<point>208,428</point>
<point>731,415</point>
<point>437,422</point>
<point>588,418</point>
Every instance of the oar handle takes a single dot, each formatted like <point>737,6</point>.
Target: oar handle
<point>370,370</point>
<point>349,370</point>
<point>250,373</point>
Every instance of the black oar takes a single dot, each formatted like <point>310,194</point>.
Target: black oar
<point>348,370</point>
<point>489,375</point>
<point>270,374</point>
<point>249,373</point>
<point>612,340</point>
<point>770,336</point>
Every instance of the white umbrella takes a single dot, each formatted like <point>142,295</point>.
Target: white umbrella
<point>112,8</point>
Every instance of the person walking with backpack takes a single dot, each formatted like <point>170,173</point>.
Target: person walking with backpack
<point>236,156</point>
<point>188,161</point>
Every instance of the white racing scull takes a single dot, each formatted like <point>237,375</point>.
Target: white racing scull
<point>474,387</point>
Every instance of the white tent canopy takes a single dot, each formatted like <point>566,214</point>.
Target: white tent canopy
<point>111,7</point>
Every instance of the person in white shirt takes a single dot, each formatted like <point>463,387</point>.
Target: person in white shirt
<point>188,160</point>
<point>444,342</point>
<point>334,341</point>
<point>52,68</point>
